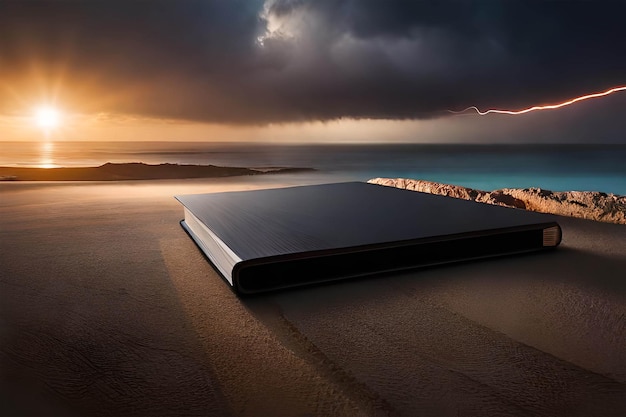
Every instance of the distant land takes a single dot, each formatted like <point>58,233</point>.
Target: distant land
<point>133,171</point>
<point>592,205</point>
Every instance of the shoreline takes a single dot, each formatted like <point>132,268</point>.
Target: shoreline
<point>590,205</point>
<point>136,171</point>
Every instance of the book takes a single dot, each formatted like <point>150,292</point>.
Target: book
<point>263,240</point>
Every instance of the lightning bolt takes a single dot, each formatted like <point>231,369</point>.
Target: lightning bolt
<point>545,107</point>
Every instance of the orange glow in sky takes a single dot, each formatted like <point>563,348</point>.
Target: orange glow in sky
<point>47,117</point>
<point>544,107</point>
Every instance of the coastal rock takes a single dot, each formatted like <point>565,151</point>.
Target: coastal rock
<point>591,205</point>
<point>134,171</point>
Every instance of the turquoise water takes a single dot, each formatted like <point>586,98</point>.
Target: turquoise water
<point>486,167</point>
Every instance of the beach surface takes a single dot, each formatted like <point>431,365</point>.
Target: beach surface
<point>108,308</point>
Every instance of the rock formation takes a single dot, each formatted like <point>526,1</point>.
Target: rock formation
<point>134,171</point>
<point>591,205</point>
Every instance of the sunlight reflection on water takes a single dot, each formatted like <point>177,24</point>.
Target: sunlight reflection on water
<point>554,167</point>
<point>46,156</point>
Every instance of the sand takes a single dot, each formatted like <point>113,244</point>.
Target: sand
<point>108,308</point>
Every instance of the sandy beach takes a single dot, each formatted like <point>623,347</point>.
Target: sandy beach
<point>108,308</point>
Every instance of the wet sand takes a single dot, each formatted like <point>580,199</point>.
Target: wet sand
<point>108,308</point>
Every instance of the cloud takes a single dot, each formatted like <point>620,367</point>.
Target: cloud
<point>248,62</point>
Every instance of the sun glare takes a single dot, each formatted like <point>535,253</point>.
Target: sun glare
<point>47,117</point>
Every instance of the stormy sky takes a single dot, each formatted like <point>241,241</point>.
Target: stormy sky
<point>254,62</point>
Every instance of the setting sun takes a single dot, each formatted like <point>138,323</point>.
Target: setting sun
<point>47,117</point>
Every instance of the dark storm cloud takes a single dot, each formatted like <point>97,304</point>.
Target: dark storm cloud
<point>247,61</point>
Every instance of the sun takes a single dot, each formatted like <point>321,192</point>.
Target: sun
<point>47,117</point>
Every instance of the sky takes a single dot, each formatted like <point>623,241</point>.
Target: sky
<point>325,70</point>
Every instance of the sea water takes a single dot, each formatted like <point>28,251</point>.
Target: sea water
<point>485,167</point>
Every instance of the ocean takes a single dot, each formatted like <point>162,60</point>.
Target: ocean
<point>485,167</point>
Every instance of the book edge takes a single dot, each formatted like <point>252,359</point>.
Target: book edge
<point>213,247</point>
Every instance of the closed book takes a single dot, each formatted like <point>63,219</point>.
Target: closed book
<point>264,240</point>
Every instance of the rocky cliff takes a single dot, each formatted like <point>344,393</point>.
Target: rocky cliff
<point>592,205</point>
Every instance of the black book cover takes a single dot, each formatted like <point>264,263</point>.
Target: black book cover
<point>263,240</point>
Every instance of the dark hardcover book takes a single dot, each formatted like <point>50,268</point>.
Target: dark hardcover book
<point>264,240</point>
